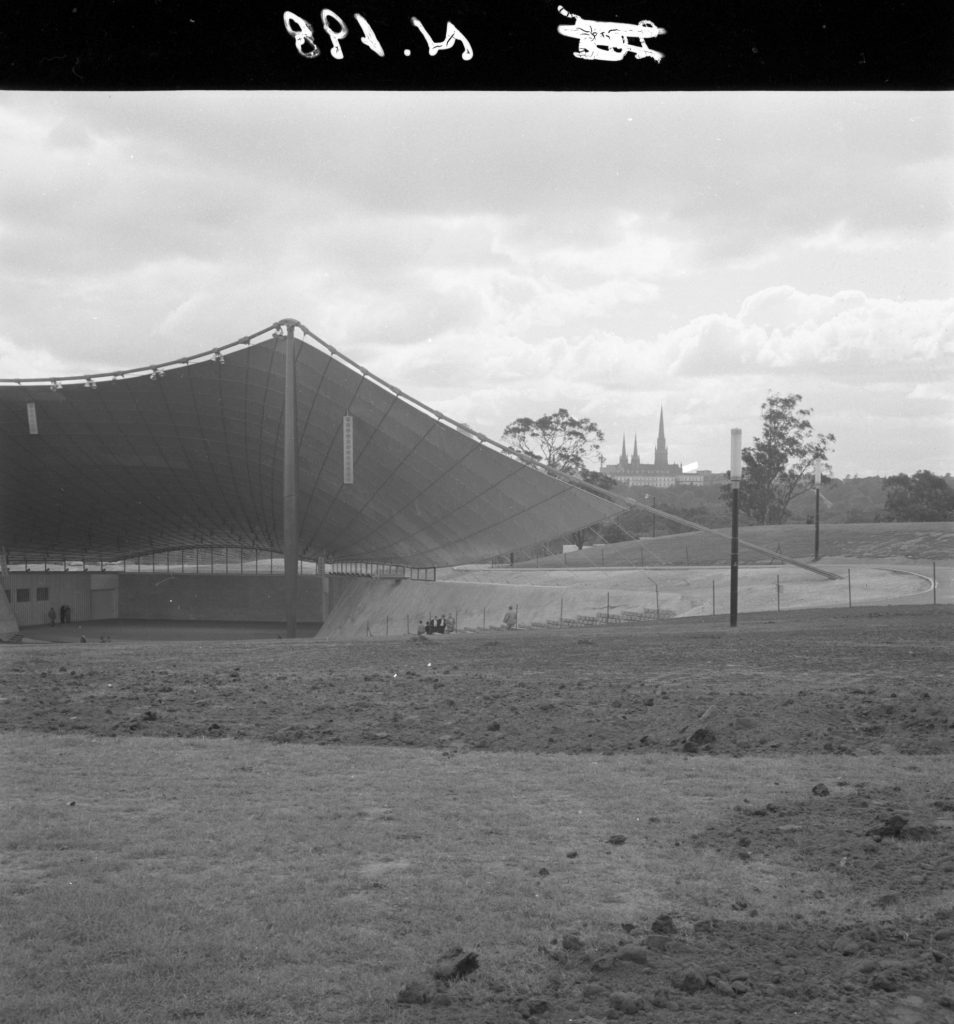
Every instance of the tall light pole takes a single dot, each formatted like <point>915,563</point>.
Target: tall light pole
<point>653,496</point>
<point>818,476</point>
<point>290,485</point>
<point>735,477</point>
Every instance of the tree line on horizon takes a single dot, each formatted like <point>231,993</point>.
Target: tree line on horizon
<point>777,486</point>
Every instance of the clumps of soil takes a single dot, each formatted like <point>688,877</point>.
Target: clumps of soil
<point>742,961</point>
<point>450,966</point>
<point>701,739</point>
<point>814,684</point>
<point>716,970</point>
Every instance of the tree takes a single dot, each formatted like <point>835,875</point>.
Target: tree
<point>780,464</point>
<point>557,440</point>
<point>922,498</point>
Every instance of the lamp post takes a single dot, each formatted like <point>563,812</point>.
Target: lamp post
<point>735,477</point>
<point>653,496</point>
<point>817,500</point>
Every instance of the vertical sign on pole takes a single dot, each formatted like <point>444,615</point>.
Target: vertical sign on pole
<point>347,436</point>
<point>735,477</point>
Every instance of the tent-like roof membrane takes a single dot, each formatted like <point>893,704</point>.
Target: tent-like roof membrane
<point>190,454</point>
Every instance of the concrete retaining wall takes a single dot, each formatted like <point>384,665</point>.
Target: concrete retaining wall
<point>378,608</point>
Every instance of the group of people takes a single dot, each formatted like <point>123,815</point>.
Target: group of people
<point>66,614</point>
<point>439,625</point>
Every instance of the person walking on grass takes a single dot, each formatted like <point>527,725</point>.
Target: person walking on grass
<point>510,617</point>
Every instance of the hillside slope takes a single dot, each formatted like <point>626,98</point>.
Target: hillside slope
<point>922,541</point>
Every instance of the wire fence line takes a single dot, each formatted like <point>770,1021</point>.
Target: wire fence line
<point>687,594</point>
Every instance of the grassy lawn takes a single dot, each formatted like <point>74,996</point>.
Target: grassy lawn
<point>150,880</point>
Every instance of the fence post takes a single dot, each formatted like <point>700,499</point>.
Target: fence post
<point>849,588</point>
<point>934,582</point>
<point>485,616</point>
<point>713,598</point>
<point>778,592</point>
<point>561,613</point>
<point>607,608</point>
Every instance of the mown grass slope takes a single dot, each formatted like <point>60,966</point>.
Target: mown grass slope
<point>922,541</point>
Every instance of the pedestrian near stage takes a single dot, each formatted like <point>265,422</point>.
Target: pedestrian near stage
<point>510,617</point>
<point>51,615</point>
<point>62,613</point>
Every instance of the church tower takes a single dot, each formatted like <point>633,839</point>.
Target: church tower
<point>623,460</point>
<point>661,460</point>
<point>635,461</point>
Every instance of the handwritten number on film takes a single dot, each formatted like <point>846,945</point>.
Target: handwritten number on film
<point>596,40</point>
<point>336,30</point>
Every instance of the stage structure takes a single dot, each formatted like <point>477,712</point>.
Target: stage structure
<point>252,444</point>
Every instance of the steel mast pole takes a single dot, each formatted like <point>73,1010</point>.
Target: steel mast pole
<point>817,506</point>
<point>290,486</point>
<point>735,476</point>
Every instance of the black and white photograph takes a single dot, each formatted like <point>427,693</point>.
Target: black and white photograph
<point>476,516</point>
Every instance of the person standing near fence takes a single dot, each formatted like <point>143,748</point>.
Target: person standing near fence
<point>510,617</point>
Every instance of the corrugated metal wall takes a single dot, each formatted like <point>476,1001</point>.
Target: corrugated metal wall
<point>33,594</point>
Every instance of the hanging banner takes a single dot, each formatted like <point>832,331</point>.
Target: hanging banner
<point>31,418</point>
<point>347,434</point>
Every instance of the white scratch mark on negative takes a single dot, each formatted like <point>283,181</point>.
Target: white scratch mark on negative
<point>610,40</point>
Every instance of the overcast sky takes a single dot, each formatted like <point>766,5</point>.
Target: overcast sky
<point>498,255</point>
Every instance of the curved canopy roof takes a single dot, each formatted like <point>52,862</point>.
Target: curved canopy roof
<point>191,453</point>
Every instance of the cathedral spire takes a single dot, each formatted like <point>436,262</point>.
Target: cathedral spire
<point>635,451</point>
<point>623,461</point>
<point>662,452</point>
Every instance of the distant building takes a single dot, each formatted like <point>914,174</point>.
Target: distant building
<point>630,472</point>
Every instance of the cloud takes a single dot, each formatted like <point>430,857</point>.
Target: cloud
<point>848,334</point>
<point>499,255</point>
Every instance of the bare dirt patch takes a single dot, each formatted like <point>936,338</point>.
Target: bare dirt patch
<point>866,680</point>
<point>832,683</point>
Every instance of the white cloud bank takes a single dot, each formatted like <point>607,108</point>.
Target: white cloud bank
<point>499,255</point>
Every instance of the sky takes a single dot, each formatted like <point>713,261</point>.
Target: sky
<point>499,255</point>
